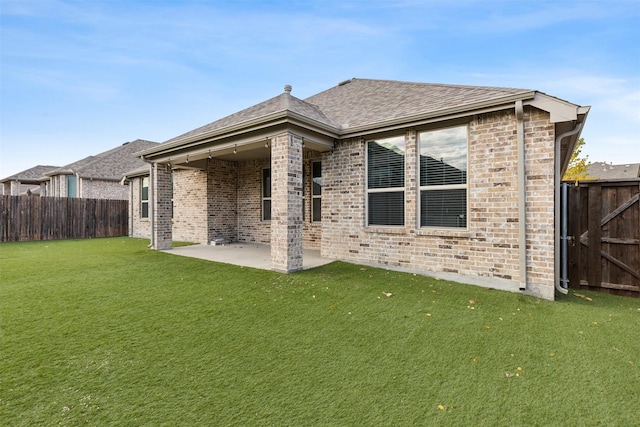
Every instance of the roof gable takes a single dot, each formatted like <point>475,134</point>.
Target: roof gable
<point>109,165</point>
<point>284,102</point>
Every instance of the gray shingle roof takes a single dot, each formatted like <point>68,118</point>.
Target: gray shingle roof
<point>600,170</point>
<point>31,174</point>
<point>281,103</point>
<point>109,165</point>
<point>361,102</point>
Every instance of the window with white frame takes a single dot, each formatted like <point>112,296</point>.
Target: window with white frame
<point>144,197</point>
<point>316,191</point>
<point>266,194</point>
<point>385,181</point>
<point>443,177</point>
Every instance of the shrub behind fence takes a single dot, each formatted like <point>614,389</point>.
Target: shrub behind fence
<point>25,218</point>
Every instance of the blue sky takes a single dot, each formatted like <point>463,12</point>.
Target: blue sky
<point>81,77</point>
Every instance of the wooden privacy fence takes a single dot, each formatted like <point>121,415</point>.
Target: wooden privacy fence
<point>604,223</point>
<point>25,218</point>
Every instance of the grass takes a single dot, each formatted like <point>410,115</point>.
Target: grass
<point>108,332</point>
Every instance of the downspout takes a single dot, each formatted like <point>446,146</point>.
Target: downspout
<point>558,214</point>
<point>522,194</point>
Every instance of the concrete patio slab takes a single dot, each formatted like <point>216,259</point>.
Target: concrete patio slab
<point>245,254</point>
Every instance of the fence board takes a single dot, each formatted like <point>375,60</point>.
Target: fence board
<point>26,218</point>
<point>604,220</point>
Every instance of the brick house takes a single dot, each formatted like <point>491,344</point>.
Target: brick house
<point>457,181</point>
<point>26,182</point>
<point>96,177</point>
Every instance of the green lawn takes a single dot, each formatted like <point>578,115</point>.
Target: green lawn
<point>107,332</point>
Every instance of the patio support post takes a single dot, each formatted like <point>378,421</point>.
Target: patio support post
<point>286,203</point>
<point>161,238</point>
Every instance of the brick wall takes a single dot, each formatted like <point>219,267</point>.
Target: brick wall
<point>138,226</point>
<point>311,230</point>
<point>16,188</point>
<point>161,188</point>
<point>101,189</point>
<point>251,227</point>
<point>190,222</point>
<point>222,200</point>
<point>488,249</point>
<point>286,202</point>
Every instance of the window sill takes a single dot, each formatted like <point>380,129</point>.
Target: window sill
<point>385,230</point>
<point>444,232</point>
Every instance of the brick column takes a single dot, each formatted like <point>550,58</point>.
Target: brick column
<point>286,203</point>
<point>161,191</point>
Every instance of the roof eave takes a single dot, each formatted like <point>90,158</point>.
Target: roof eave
<point>439,115</point>
<point>258,123</point>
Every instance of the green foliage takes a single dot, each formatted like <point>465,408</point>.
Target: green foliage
<point>578,166</point>
<point>108,332</point>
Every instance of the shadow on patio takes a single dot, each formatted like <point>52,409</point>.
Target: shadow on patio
<point>245,254</point>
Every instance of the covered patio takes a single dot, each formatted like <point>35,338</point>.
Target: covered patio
<point>244,254</point>
<point>241,179</point>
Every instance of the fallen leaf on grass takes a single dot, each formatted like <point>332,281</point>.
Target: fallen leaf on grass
<point>584,297</point>
<point>441,407</point>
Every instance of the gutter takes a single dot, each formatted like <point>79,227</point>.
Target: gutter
<point>463,110</point>
<point>561,285</point>
<point>522,197</point>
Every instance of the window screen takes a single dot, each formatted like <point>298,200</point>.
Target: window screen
<point>266,194</point>
<point>385,181</point>
<point>144,198</point>
<point>443,177</point>
<point>316,191</point>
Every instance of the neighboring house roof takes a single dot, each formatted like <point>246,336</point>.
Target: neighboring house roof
<point>109,165</point>
<point>602,170</point>
<point>30,176</point>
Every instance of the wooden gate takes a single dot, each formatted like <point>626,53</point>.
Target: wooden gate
<point>604,225</point>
